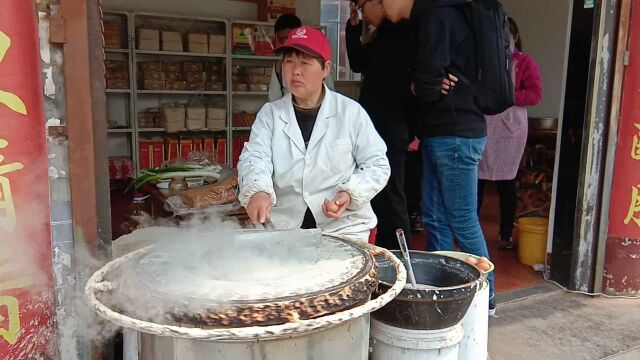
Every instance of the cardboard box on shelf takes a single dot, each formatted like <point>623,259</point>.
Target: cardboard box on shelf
<point>171,36</point>
<point>217,44</point>
<point>196,117</point>
<point>174,46</point>
<point>148,39</point>
<point>197,43</point>
<point>173,118</point>
<point>154,85</point>
<point>216,124</point>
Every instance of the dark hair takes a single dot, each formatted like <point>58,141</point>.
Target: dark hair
<point>292,51</point>
<point>513,27</point>
<point>287,21</point>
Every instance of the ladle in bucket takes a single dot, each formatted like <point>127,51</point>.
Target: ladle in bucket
<point>407,258</point>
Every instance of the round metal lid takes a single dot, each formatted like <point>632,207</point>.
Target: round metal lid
<point>251,278</point>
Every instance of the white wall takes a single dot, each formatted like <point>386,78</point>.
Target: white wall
<point>307,10</point>
<point>544,25</point>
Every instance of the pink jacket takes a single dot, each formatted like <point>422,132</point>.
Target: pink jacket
<point>528,85</point>
<point>507,132</point>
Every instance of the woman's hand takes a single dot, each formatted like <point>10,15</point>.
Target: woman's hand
<point>259,208</point>
<point>333,209</point>
<point>448,84</point>
<point>354,19</point>
<point>481,263</point>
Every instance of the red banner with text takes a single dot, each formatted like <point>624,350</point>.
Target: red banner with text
<point>27,327</point>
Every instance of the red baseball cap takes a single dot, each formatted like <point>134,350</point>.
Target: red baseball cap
<point>308,40</point>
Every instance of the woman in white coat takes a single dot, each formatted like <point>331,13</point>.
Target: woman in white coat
<point>314,158</point>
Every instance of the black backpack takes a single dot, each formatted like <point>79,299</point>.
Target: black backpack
<point>494,84</point>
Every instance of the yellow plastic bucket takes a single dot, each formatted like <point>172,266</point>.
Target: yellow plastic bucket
<point>532,242</point>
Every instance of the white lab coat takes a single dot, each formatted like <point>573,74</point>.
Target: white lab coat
<point>276,88</point>
<point>345,153</point>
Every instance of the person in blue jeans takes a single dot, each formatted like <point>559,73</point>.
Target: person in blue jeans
<point>453,128</point>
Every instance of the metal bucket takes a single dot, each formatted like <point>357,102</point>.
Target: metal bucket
<point>339,335</point>
<point>346,341</point>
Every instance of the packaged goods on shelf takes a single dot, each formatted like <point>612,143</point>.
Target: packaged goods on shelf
<point>192,67</point>
<point>186,146</point>
<point>112,35</point>
<point>196,117</point>
<point>172,67</point>
<point>173,118</point>
<point>196,86</point>
<point>154,85</point>
<point>174,76</point>
<point>194,76</point>
<point>171,41</point>
<point>153,75</point>
<point>221,151</point>
<point>209,148</point>
<point>214,86</point>
<point>173,149</point>
<point>149,118</point>
<point>197,43</point>
<point>158,152</point>
<point>117,84</point>
<point>255,70</point>
<point>259,79</point>
<point>176,85</point>
<point>258,87</point>
<point>217,44</point>
<point>216,118</point>
<point>250,39</point>
<point>240,87</point>
<point>145,154</point>
<point>148,39</point>
<point>116,74</point>
<point>151,66</point>
<point>236,149</point>
<point>243,119</point>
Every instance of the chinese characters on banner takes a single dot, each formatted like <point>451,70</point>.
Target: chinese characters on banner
<point>26,296</point>
<point>624,213</point>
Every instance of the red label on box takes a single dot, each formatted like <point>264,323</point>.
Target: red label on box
<point>221,151</point>
<point>146,153</point>
<point>186,145</point>
<point>158,153</point>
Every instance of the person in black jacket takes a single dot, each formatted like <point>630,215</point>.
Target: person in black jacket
<point>385,62</point>
<point>453,127</point>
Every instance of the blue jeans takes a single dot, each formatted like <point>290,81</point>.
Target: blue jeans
<point>450,195</point>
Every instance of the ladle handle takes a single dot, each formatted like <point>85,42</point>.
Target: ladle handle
<point>407,258</point>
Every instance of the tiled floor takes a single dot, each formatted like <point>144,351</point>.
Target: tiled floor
<point>510,273</point>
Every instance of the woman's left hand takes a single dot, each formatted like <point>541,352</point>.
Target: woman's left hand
<point>336,207</point>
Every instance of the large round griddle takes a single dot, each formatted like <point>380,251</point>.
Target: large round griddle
<point>247,279</point>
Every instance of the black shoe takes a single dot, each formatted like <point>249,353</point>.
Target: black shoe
<point>505,241</point>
